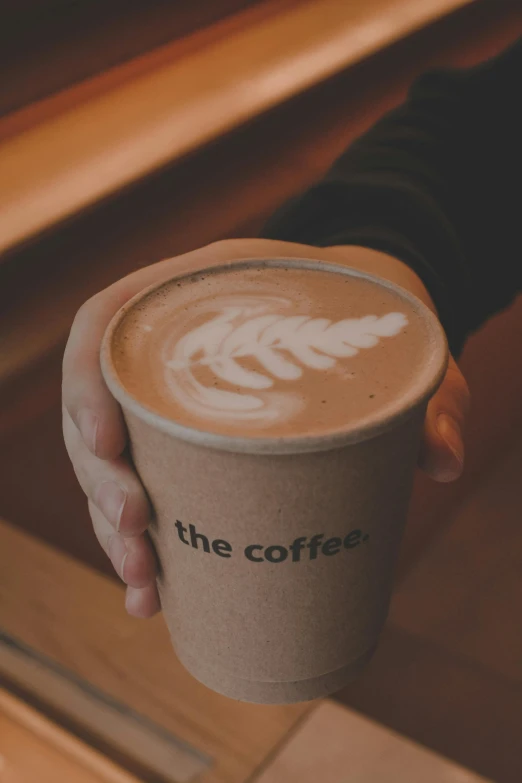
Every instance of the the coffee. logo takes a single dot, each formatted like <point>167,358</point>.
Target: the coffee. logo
<point>302,548</point>
<point>282,346</point>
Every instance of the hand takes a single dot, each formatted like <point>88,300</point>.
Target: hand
<point>94,429</point>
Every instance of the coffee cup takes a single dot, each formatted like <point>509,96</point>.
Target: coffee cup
<point>275,410</point>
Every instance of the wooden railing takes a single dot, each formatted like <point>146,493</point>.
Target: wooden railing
<point>64,155</point>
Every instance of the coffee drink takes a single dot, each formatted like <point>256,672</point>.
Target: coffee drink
<point>270,350</point>
<point>275,411</point>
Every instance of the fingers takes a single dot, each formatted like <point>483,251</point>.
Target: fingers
<point>120,513</point>
<point>112,486</point>
<point>442,452</point>
<point>132,557</point>
<point>90,405</point>
<point>133,561</point>
<point>142,602</point>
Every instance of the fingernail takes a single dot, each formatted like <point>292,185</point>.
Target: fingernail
<point>449,431</point>
<point>111,499</point>
<point>88,424</point>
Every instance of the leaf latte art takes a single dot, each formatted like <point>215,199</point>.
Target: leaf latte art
<point>244,360</point>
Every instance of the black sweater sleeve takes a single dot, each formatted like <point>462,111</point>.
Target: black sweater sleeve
<point>435,183</point>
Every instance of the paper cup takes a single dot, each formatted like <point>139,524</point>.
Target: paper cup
<point>277,554</point>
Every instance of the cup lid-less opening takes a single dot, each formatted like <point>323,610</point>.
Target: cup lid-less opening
<point>389,416</point>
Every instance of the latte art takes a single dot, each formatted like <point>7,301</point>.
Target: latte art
<point>270,350</point>
<point>283,346</point>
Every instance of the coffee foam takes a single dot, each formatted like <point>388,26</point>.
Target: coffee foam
<point>269,350</point>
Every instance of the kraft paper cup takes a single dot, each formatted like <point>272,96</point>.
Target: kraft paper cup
<point>277,554</point>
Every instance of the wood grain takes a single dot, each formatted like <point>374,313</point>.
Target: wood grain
<point>90,38</point>
<point>75,616</point>
<point>34,749</point>
<point>334,741</point>
<point>175,30</point>
<point>142,747</point>
<point>79,156</point>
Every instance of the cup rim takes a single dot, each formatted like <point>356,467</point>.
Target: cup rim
<point>387,418</point>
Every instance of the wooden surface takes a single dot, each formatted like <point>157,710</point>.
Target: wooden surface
<point>81,155</point>
<point>34,750</point>
<point>86,630</point>
<point>335,744</point>
<point>90,37</point>
<point>76,616</point>
<point>448,671</point>
<point>144,748</point>
<point>183,30</point>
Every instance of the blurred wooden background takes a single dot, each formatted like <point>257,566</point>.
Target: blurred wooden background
<point>32,748</point>
<point>449,670</point>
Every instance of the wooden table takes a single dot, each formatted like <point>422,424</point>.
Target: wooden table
<point>116,680</point>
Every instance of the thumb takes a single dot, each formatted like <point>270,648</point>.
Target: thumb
<point>442,451</point>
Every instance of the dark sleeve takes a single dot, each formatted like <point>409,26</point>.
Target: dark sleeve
<point>437,184</point>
